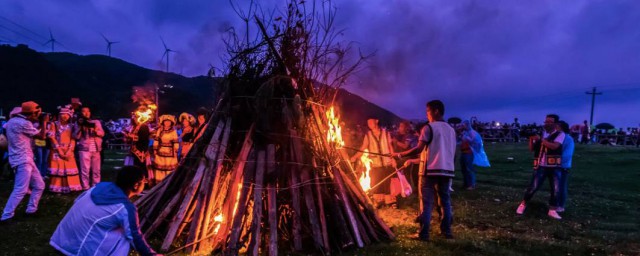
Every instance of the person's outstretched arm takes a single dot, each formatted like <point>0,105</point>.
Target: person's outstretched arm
<point>131,225</point>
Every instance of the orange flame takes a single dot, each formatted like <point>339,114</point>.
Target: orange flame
<point>365,179</point>
<point>334,135</point>
<point>144,114</point>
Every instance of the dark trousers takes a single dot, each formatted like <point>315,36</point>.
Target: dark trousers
<point>468,170</point>
<point>434,188</point>
<point>42,160</point>
<point>564,187</point>
<point>553,174</point>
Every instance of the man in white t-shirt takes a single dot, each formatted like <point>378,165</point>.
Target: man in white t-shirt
<point>547,164</point>
<point>437,143</point>
<point>20,135</point>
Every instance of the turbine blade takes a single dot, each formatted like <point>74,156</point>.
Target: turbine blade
<point>164,44</point>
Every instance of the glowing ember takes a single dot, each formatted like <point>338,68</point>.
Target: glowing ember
<point>365,179</point>
<point>235,206</point>
<point>144,114</point>
<point>217,219</point>
<point>334,135</point>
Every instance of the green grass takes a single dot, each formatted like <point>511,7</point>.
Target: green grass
<point>602,217</point>
<point>31,236</point>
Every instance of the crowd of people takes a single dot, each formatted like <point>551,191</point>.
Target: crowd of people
<point>427,156</point>
<point>160,149</point>
<point>436,143</point>
<point>66,149</point>
<point>41,146</point>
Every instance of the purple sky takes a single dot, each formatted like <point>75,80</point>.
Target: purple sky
<point>494,60</point>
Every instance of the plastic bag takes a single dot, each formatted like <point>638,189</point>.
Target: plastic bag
<point>479,156</point>
<point>400,186</point>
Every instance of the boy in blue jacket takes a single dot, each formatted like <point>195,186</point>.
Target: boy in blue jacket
<point>103,221</point>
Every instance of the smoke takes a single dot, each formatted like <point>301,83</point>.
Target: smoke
<point>144,95</point>
<point>497,60</point>
<point>494,60</point>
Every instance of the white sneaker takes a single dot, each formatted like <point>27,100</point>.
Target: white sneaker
<point>554,214</point>
<point>521,208</point>
<point>560,209</point>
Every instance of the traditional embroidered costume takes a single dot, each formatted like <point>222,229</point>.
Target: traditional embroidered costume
<point>165,148</point>
<point>62,162</point>
<point>138,137</point>
<point>188,136</point>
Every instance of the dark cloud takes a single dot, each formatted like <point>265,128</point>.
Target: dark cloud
<point>494,60</point>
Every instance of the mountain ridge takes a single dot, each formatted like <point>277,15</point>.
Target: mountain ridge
<point>105,84</point>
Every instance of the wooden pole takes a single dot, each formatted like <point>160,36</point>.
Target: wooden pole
<point>174,224</point>
<point>239,215</point>
<point>235,180</point>
<point>195,231</point>
<point>273,221</point>
<point>347,206</point>
<point>295,201</point>
<point>311,207</point>
<point>216,165</point>
<point>254,244</point>
<point>323,221</point>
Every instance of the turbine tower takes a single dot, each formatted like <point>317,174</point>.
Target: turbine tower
<point>167,51</point>
<point>109,43</point>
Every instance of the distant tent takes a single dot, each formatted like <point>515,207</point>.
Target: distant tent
<point>454,120</point>
<point>605,126</point>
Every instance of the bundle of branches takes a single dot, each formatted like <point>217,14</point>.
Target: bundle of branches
<point>263,177</point>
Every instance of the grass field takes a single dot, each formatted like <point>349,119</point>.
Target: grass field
<point>602,217</point>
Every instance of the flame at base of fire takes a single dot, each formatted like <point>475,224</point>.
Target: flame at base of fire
<point>365,179</point>
<point>218,219</point>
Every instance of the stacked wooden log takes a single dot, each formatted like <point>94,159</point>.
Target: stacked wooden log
<point>263,178</point>
<point>244,188</point>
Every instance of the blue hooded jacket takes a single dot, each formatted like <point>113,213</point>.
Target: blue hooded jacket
<point>102,221</point>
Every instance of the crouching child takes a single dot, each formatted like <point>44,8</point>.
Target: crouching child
<point>103,221</point>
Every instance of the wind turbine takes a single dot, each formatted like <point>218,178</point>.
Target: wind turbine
<point>109,43</point>
<point>52,40</point>
<point>167,51</point>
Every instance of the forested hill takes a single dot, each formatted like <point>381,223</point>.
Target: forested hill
<point>105,84</point>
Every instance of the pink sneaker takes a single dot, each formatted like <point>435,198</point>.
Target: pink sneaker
<point>521,208</point>
<point>554,214</point>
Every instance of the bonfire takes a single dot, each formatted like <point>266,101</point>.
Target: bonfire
<point>268,173</point>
